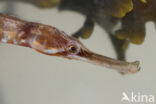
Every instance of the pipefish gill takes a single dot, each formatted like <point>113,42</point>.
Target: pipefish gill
<point>50,41</point>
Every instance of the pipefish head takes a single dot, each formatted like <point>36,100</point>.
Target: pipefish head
<point>53,42</point>
<point>49,40</point>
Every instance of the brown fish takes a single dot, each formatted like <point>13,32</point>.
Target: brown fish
<point>49,40</point>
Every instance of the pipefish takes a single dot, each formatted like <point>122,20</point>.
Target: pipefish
<point>51,41</point>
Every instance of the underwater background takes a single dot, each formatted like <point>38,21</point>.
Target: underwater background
<point>28,77</point>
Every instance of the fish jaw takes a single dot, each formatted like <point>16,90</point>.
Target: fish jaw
<point>93,58</point>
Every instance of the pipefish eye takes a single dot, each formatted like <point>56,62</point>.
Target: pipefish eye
<point>73,48</point>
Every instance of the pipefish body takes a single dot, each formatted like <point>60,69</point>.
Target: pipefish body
<point>50,41</point>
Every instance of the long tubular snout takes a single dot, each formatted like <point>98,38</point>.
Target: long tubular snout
<point>121,66</point>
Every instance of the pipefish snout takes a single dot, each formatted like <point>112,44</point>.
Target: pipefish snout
<point>50,41</point>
